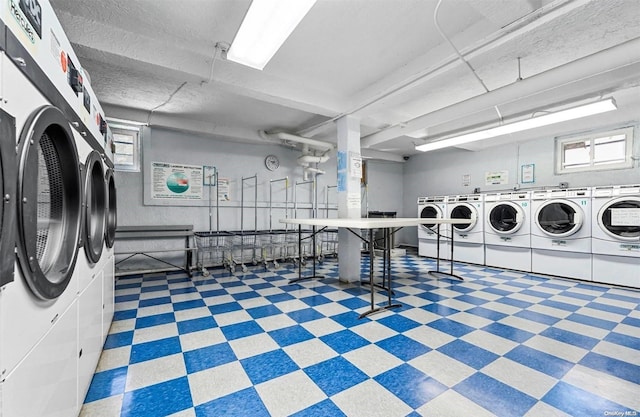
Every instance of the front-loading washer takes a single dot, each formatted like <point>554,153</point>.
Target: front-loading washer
<point>561,232</point>
<point>507,231</point>
<point>56,116</point>
<point>468,242</point>
<point>615,233</point>
<point>434,207</point>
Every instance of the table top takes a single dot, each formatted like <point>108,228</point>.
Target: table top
<point>372,223</point>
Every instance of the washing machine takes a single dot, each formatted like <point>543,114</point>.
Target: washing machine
<point>507,232</point>
<point>468,240</point>
<point>615,233</point>
<point>56,120</point>
<point>433,208</point>
<point>561,232</point>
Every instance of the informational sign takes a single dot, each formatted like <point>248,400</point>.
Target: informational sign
<point>224,193</point>
<point>496,177</point>
<point>528,174</point>
<point>176,181</point>
<point>625,217</point>
<point>353,200</point>
<point>466,180</point>
<point>355,165</point>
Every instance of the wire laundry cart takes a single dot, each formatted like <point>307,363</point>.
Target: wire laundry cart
<point>328,243</point>
<point>212,250</point>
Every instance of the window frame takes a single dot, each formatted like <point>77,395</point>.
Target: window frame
<point>562,142</point>
<point>135,132</point>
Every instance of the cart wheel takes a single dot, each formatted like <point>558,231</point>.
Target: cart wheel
<point>244,268</point>
<point>205,272</point>
<point>254,262</point>
<point>320,257</point>
<point>276,265</point>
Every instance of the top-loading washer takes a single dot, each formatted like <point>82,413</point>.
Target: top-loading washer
<point>56,116</point>
<point>507,231</point>
<point>434,207</point>
<point>468,242</point>
<point>615,233</point>
<point>561,232</point>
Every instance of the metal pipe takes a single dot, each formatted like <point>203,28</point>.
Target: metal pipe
<point>326,199</point>
<point>242,199</point>
<point>217,204</point>
<point>271,199</point>
<point>295,196</point>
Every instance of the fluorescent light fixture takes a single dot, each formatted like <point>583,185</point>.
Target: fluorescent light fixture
<point>547,119</point>
<point>265,27</point>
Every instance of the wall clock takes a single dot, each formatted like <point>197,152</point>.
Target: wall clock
<point>271,162</point>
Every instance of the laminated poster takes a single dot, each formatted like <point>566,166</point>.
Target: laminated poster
<point>176,181</point>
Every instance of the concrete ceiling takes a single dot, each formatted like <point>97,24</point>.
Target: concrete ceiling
<point>382,61</point>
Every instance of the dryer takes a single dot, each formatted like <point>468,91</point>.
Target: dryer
<point>507,232</point>
<point>433,208</point>
<point>56,120</point>
<point>468,242</point>
<point>561,232</point>
<point>615,232</point>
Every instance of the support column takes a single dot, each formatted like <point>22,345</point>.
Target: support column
<point>348,187</point>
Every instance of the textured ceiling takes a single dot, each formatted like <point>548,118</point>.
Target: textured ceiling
<point>380,60</point>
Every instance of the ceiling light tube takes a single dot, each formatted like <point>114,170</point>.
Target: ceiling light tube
<point>265,27</point>
<point>545,120</point>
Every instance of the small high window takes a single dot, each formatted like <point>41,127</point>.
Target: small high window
<point>594,152</point>
<point>127,141</point>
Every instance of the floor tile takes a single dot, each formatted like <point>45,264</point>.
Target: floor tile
<point>498,343</point>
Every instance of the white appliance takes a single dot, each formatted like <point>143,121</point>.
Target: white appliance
<point>8,182</point>
<point>47,355</point>
<point>561,232</point>
<point>468,242</point>
<point>616,235</point>
<point>507,231</point>
<point>433,208</point>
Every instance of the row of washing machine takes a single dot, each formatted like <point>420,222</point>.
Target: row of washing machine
<point>57,218</point>
<point>590,234</point>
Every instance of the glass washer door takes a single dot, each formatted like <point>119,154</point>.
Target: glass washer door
<point>506,218</point>
<point>559,218</point>
<point>95,196</point>
<point>112,219</point>
<point>464,211</point>
<point>430,211</point>
<point>618,218</point>
<point>50,192</point>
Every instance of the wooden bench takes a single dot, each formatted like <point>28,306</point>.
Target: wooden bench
<point>157,232</point>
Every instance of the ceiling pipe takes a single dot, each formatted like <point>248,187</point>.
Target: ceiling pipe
<point>601,62</point>
<point>288,137</point>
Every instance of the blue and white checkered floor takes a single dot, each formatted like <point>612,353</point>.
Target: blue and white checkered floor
<point>498,343</point>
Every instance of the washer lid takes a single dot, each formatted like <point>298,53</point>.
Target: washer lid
<point>49,190</point>
<point>464,211</point>
<point>95,207</point>
<point>620,218</point>
<point>506,218</point>
<point>559,218</point>
<point>431,211</point>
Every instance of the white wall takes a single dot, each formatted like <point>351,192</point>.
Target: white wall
<point>236,160</point>
<point>441,172</point>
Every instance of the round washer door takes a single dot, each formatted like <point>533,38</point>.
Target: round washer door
<point>112,219</point>
<point>506,218</point>
<point>559,218</point>
<point>619,218</point>
<point>430,211</point>
<point>464,211</point>
<point>95,207</point>
<point>50,195</point>
<point>8,181</point>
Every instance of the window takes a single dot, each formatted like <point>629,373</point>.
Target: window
<point>127,142</point>
<point>595,151</point>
